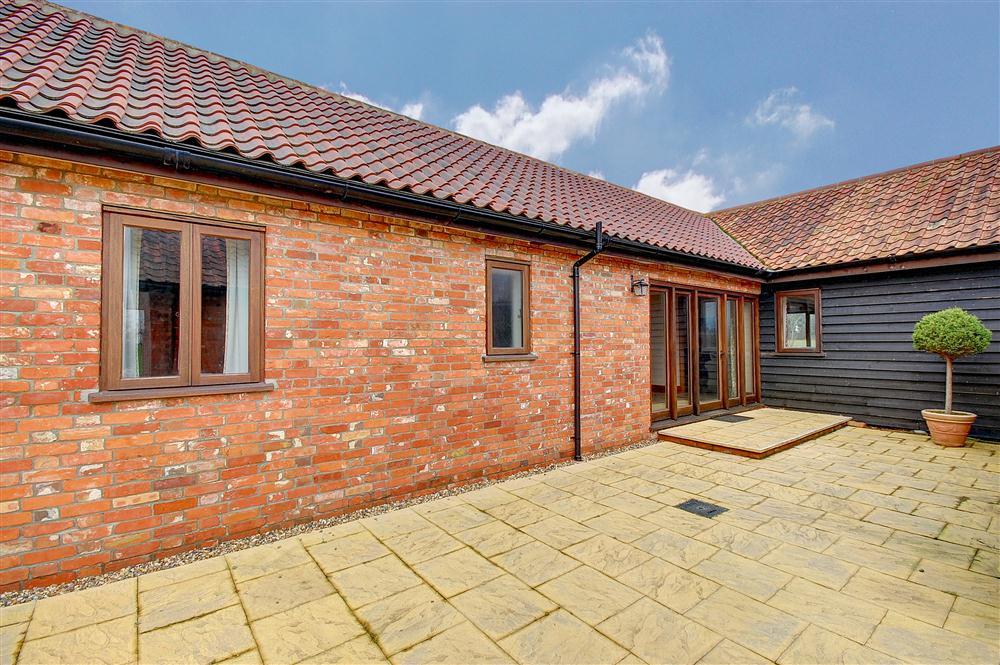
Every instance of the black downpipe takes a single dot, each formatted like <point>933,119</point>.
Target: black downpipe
<point>598,248</point>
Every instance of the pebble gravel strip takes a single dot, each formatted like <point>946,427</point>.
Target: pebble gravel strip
<point>23,596</point>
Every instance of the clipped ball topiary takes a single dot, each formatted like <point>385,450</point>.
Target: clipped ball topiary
<point>951,333</point>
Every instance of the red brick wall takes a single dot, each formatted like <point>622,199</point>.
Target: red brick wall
<point>374,336</point>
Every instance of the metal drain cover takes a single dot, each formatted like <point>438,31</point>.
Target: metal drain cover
<point>701,508</point>
<point>732,419</point>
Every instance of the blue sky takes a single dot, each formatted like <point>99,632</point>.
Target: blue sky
<point>707,105</point>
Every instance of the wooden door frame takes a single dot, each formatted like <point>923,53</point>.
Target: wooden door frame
<point>668,412</point>
<point>720,299</point>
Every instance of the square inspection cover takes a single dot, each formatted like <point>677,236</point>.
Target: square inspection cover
<point>701,508</point>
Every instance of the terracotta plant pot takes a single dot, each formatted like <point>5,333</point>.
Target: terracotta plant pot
<point>948,429</point>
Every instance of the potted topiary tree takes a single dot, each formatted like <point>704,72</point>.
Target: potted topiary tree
<point>951,333</point>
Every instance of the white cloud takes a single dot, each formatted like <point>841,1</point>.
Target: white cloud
<point>691,190</point>
<point>412,109</point>
<point>564,118</point>
<point>597,174</point>
<point>782,108</point>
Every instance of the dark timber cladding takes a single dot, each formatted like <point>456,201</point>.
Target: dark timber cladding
<point>868,368</point>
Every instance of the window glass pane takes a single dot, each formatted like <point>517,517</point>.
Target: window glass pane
<point>658,349</point>
<point>225,305</point>
<point>799,322</point>
<point>749,386</point>
<point>681,383</point>
<point>732,346</point>
<point>708,349</point>
<point>508,310</point>
<point>151,302</point>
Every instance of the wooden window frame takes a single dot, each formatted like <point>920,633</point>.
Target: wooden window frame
<point>190,379</point>
<point>525,269</point>
<point>779,321</point>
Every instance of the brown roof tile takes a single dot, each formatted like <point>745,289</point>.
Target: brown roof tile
<point>950,203</point>
<point>54,60</point>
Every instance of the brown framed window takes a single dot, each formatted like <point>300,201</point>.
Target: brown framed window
<point>182,303</point>
<point>508,311</point>
<point>799,321</point>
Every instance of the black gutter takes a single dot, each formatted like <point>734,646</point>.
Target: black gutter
<point>577,364</point>
<point>104,142</point>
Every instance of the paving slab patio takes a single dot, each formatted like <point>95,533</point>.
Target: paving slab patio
<point>857,546</point>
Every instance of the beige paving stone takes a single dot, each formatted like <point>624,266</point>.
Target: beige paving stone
<point>488,497</point>
<point>519,513</point>
<point>607,555</point>
<point>756,626</point>
<point>907,598</point>
<point>166,605</point>
<point>394,523</point>
<point>925,496</point>
<point>183,573</point>
<point>929,548</point>
<point>16,613</point>
<point>819,568</point>
<point>672,586</point>
<point>679,521</point>
<point>747,520</point>
<point>737,540</point>
<point>798,534</point>
<point>62,613</point>
<point>892,502</point>
<point>965,583</point>
<point>594,491</point>
<point>270,594</point>
<point>588,594</point>
<point>266,559</point>
<point>561,639</point>
<point>423,544</point>
<point>986,562</point>
<point>639,486</point>
<point>331,533</point>
<point>459,518</point>
<point>827,488</point>
<point>787,511</point>
<point>655,633</point>
<point>866,531</point>
<point>559,532</point>
<point>831,504</point>
<point>783,492</point>
<point>398,622</point>
<point>207,639</point>
<point>675,548</point>
<point>457,571</point>
<point>871,556</point>
<point>902,522</point>
<point>306,630</point>
<point>620,526</point>
<point>460,645</point>
<point>744,575</point>
<point>359,651</point>
<point>577,508</point>
<point>974,619</point>
<point>11,636</point>
<point>916,642</point>
<point>815,646</point>
<point>108,643</point>
<point>503,605</point>
<point>349,551</point>
<point>251,657</point>
<point>493,538</point>
<point>730,653</point>
<point>373,580</point>
<point>977,538</point>
<point>835,611</point>
<point>535,563</point>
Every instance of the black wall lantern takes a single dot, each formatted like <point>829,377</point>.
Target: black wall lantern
<point>640,287</point>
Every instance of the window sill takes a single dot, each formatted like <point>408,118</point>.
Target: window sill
<point>793,354</point>
<point>510,357</point>
<point>182,391</point>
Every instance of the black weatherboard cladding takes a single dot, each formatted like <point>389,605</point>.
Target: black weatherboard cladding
<point>869,369</point>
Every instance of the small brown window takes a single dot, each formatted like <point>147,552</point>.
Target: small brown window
<point>799,319</point>
<point>182,303</point>
<point>508,312</point>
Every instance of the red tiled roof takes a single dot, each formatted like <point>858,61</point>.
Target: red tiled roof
<point>949,203</point>
<point>55,60</point>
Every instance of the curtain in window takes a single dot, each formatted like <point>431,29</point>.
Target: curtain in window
<point>131,314</point>
<point>237,307</point>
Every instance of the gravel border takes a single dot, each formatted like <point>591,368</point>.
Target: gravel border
<point>9,598</point>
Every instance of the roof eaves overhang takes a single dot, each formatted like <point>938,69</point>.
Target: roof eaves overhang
<point>21,129</point>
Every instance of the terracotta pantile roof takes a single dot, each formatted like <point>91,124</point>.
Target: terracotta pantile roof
<point>950,203</point>
<point>54,60</point>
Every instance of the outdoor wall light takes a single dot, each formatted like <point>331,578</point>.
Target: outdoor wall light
<point>640,287</point>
